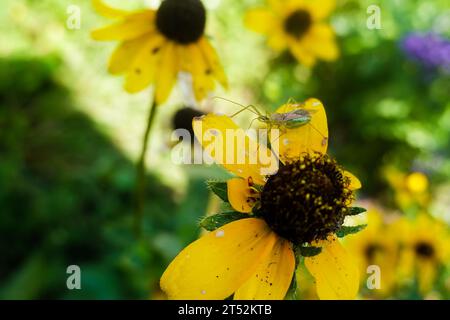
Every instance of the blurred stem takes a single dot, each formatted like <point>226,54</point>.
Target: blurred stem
<point>141,173</point>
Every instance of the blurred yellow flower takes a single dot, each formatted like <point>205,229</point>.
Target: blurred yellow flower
<point>417,182</point>
<point>426,249</point>
<point>411,190</point>
<point>303,203</point>
<point>155,45</point>
<point>297,25</point>
<point>376,245</point>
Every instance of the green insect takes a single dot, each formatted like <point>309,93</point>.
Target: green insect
<point>288,120</point>
<point>297,118</point>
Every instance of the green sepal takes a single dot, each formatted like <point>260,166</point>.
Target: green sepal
<point>292,293</point>
<point>353,211</point>
<point>219,188</point>
<point>309,251</point>
<point>346,230</point>
<point>211,223</point>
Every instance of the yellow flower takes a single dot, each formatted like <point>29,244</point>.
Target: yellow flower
<point>377,245</point>
<point>426,249</point>
<point>302,204</point>
<point>155,45</point>
<point>411,190</point>
<point>297,25</point>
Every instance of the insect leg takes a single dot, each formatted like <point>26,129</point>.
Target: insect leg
<point>250,107</point>
<point>251,123</point>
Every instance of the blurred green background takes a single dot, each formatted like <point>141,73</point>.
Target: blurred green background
<point>69,137</point>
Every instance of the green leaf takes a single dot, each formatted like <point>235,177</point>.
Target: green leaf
<point>346,230</point>
<point>309,251</point>
<point>219,188</point>
<point>218,220</point>
<point>353,211</point>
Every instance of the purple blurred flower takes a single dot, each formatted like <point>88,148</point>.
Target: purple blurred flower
<point>430,49</point>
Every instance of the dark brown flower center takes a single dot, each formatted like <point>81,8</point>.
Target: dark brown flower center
<point>424,250</point>
<point>183,119</point>
<point>306,200</point>
<point>371,251</point>
<point>298,23</point>
<point>182,21</point>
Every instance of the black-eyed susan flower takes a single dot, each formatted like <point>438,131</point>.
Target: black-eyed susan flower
<point>425,250</point>
<point>298,209</point>
<point>297,25</point>
<point>377,245</point>
<point>155,45</point>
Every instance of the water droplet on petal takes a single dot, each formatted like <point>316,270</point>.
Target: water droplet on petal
<point>220,234</point>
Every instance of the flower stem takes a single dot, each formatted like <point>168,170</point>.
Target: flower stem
<point>140,173</point>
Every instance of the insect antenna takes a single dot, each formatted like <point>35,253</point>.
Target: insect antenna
<point>317,130</point>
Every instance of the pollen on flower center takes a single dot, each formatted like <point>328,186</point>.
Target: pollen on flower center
<point>181,21</point>
<point>298,23</point>
<point>306,200</point>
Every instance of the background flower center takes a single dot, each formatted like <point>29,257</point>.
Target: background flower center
<point>181,21</point>
<point>298,23</point>
<point>424,250</point>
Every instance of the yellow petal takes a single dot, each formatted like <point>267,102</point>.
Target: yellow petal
<point>133,26</point>
<point>213,60</point>
<point>277,6</point>
<point>334,270</point>
<point>321,8</point>
<point>196,64</point>
<point>302,54</point>
<point>230,147</point>
<point>107,11</point>
<point>124,55</point>
<point>277,40</point>
<point>259,20</point>
<point>312,137</point>
<point>321,42</point>
<point>273,276</point>
<point>239,194</point>
<point>143,70</point>
<point>167,73</point>
<point>426,276</point>
<point>217,264</point>
<point>326,49</point>
<point>355,184</point>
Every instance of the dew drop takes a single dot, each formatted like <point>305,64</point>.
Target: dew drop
<point>220,234</point>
